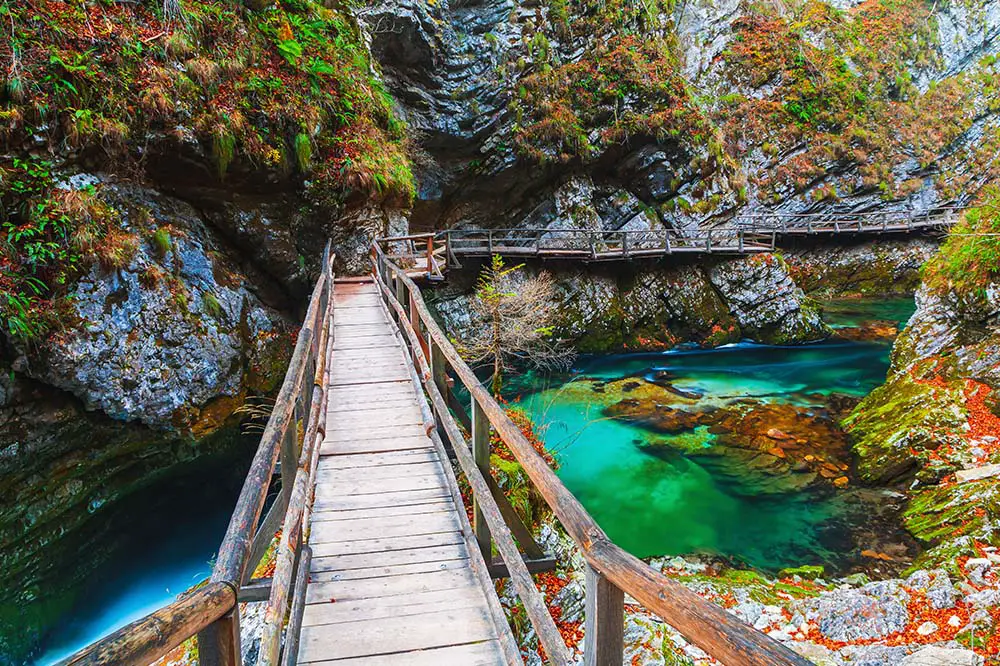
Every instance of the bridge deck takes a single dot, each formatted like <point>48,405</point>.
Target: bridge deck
<point>390,579</point>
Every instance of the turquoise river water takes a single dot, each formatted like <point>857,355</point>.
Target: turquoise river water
<point>650,504</point>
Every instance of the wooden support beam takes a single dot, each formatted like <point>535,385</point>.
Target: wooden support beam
<point>498,568</point>
<point>604,617</point>
<point>523,535</point>
<point>256,589</point>
<point>481,454</point>
<point>219,642</point>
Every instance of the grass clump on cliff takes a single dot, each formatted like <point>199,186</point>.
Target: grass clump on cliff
<point>624,88</point>
<point>838,91</point>
<point>969,260</point>
<point>288,91</point>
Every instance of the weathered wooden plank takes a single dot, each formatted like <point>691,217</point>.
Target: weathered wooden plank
<point>376,446</point>
<point>402,605</point>
<point>346,420</point>
<point>377,459</point>
<point>391,558</point>
<point>366,342</point>
<point>363,486</point>
<point>392,585</point>
<point>323,532</point>
<point>376,377</point>
<point>393,570</point>
<point>387,636</point>
<point>387,544</point>
<point>366,437</point>
<point>331,500</point>
<point>335,475</point>
<point>486,653</point>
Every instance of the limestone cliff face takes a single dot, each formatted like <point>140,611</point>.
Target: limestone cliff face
<point>664,115</point>
<point>642,308</point>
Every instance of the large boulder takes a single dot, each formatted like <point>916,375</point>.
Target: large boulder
<point>167,336</point>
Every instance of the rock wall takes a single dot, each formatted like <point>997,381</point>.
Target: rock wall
<point>888,266</point>
<point>935,424</point>
<point>143,379</point>
<point>650,307</point>
<point>618,115</point>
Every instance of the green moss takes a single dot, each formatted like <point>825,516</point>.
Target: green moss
<point>162,242</point>
<point>210,304</point>
<point>950,520</point>
<point>969,260</point>
<point>223,150</point>
<point>807,571</point>
<point>897,425</point>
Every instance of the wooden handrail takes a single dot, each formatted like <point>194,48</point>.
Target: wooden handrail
<point>151,637</point>
<point>295,529</point>
<point>211,612</point>
<point>701,622</point>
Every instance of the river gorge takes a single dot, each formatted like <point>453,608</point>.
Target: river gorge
<point>655,493</point>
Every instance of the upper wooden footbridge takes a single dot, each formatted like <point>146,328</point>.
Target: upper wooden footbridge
<point>433,253</point>
<point>378,562</point>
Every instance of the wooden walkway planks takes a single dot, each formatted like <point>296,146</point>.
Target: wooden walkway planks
<point>391,581</point>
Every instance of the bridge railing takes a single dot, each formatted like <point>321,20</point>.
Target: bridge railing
<point>597,245</point>
<point>611,572</point>
<point>211,612</point>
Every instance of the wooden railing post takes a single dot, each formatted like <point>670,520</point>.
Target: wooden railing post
<point>400,295</point>
<point>481,455</point>
<point>439,368</point>
<point>219,642</point>
<point>289,448</point>
<point>604,635</point>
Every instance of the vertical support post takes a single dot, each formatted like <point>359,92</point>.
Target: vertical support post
<point>625,243</point>
<point>481,454</point>
<point>415,323</point>
<point>666,237</point>
<point>430,256</point>
<point>219,642</point>
<point>439,370</point>
<point>489,242</point>
<point>400,296</point>
<point>604,641</point>
<point>741,241</point>
<point>289,450</point>
<point>593,244</point>
<point>708,242</point>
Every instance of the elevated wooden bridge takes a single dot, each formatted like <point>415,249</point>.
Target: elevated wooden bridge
<point>378,562</point>
<point>431,254</point>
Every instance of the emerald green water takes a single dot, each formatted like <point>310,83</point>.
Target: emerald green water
<point>681,501</point>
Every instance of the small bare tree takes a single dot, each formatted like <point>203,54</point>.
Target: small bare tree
<point>516,314</point>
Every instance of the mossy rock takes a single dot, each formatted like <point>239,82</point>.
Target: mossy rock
<point>951,519</point>
<point>893,428</point>
<point>807,571</point>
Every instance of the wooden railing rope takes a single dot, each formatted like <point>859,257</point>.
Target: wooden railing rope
<point>211,612</point>
<point>612,571</point>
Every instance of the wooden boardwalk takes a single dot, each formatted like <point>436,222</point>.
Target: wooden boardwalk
<point>391,580</point>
